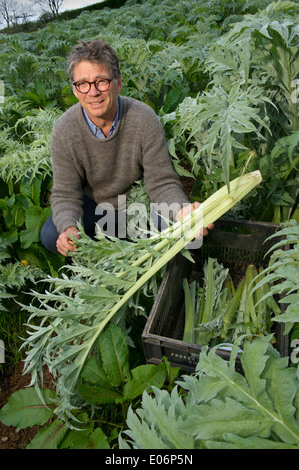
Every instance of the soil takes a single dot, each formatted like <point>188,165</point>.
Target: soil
<point>11,381</point>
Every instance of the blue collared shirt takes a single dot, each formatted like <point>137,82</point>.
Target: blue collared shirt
<point>97,132</point>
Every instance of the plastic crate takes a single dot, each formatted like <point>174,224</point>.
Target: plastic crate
<point>235,244</point>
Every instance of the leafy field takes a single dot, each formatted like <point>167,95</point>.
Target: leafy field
<point>223,78</point>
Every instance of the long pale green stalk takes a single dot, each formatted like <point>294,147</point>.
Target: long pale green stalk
<point>207,213</point>
<point>209,291</point>
<point>73,357</point>
<point>190,292</point>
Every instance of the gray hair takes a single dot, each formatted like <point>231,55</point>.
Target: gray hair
<point>97,51</point>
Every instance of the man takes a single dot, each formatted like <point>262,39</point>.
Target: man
<point>101,146</point>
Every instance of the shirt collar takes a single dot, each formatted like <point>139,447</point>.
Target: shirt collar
<point>97,132</point>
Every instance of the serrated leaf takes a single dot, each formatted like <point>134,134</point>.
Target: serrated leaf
<point>267,391</point>
<point>97,293</point>
<point>143,435</point>
<point>220,377</point>
<point>254,360</point>
<point>165,413</point>
<point>236,442</point>
<point>212,420</point>
<point>284,388</point>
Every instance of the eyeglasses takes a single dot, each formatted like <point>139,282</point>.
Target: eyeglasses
<point>101,84</point>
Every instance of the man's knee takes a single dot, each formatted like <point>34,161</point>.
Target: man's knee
<point>49,235</point>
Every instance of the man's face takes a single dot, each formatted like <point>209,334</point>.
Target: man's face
<point>100,106</point>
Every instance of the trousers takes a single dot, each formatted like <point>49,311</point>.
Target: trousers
<point>91,216</point>
<point>111,223</point>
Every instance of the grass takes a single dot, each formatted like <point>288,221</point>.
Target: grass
<point>12,329</point>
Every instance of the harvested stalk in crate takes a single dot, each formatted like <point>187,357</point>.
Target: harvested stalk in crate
<point>190,300</point>
<point>215,276</point>
<point>226,312</point>
<point>214,296</point>
<point>231,308</point>
<point>251,273</point>
<point>235,243</point>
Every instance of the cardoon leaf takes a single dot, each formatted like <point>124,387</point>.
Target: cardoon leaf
<point>283,391</point>
<point>211,421</point>
<point>143,435</point>
<point>254,361</point>
<point>236,442</point>
<point>256,409</point>
<point>165,414</point>
<point>77,312</point>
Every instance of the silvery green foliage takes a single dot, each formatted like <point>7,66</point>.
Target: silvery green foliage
<point>251,96</point>
<point>214,119</point>
<point>156,424</point>
<point>223,408</point>
<point>19,158</point>
<point>106,278</point>
<point>283,272</point>
<point>14,275</point>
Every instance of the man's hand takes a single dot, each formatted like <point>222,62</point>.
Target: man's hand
<point>187,210</point>
<point>65,243</point>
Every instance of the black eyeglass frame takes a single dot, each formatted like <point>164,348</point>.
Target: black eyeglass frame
<point>109,80</point>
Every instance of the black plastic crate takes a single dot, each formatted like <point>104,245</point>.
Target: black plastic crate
<point>235,244</point>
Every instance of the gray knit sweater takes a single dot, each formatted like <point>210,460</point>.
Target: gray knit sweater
<point>106,168</point>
